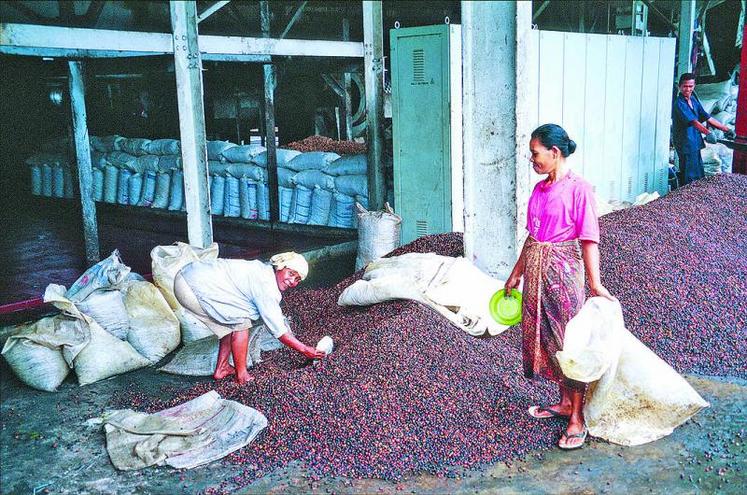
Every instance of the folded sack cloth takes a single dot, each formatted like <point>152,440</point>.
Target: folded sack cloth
<point>197,432</point>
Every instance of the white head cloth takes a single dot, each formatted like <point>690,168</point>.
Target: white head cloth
<point>294,261</point>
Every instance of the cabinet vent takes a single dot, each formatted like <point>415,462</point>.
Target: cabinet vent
<point>421,227</point>
<point>418,65</point>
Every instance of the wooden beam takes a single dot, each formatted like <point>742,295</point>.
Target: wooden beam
<point>57,41</point>
<point>270,82</point>
<point>83,161</point>
<point>540,9</point>
<point>91,17</point>
<point>373,43</point>
<point>189,93</point>
<point>296,16</point>
<point>212,10</point>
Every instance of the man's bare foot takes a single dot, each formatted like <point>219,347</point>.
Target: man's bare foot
<point>223,372</point>
<point>242,378</point>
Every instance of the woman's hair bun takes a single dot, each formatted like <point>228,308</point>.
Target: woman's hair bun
<point>571,146</point>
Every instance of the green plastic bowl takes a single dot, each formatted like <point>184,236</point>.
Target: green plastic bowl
<point>506,310</point>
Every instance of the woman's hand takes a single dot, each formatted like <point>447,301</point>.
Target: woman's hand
<point>512,283</point>
<point>601,291</point>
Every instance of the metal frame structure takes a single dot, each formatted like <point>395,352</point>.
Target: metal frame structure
<point>189,49</point>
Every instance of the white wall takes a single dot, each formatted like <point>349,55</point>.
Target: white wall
<point>611,93</point>
<point>613,96</point>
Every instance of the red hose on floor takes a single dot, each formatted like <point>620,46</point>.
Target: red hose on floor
<point>37,302</point>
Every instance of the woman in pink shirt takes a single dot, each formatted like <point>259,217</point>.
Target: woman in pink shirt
<point>563,239</point>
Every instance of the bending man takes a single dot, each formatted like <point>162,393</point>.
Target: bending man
<point>227,295</point>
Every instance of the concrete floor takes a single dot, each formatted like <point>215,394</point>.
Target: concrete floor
<point>47,445</point>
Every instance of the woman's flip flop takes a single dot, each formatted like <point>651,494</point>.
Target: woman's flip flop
<point>582,435</point>
<point>540,412</point>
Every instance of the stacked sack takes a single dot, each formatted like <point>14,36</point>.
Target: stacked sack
<point>720,100</point>
<point>314,188</point>
<point>51,175</point>
<point>111,322</point>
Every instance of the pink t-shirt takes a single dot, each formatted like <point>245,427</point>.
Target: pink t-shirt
<point>563,211</point>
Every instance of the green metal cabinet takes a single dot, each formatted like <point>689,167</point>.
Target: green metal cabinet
<point>426,118</point>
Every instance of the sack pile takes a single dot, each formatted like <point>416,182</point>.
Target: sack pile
<point>314,188</point>
<point>111,322</point>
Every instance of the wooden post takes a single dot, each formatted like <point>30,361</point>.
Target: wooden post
<point>83,161</point>
<point>270,81</point>
<point>373,53</point>
<point>188,70</point>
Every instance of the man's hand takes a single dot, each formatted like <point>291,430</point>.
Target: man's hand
<point>312,353</point>
<point>289,340</point>
<point>710,138</point>
<point>730,134</point>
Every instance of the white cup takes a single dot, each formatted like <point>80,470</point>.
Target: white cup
<point>325,344</point>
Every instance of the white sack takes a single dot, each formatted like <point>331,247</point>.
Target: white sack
<point>107,307</point>
<point>192,328</point>
<point>639,397</point>
<point>107,273</point>
<point>37,354</point>
<point>242,154</point>
<point>283,156</point>
<point>154,329</point>
<point>348,165</point>
<point>104,355</point>
<point>312,160</point>
<point>166,261</point>
<point>454,287</point>
<point>378,234</point>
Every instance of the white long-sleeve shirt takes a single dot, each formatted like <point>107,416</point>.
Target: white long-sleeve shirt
<point>230,291</point>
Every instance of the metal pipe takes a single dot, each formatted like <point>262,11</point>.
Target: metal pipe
<point>373,45</point>
<point>685,37</point>
<point>212,10</point>
<point>296,16</point>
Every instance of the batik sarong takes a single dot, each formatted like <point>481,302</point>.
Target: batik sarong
<point>553,294</point>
